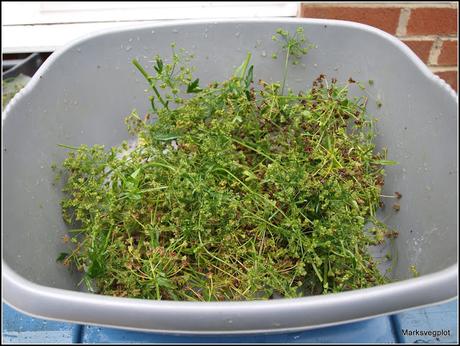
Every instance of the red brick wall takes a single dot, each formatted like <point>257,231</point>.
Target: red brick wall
<point>428,28</point>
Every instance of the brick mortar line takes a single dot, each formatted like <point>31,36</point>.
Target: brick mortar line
<point>448,39</point>
<point>435,52</point>
<point>427,38</point>
<point>381,5</point>
<point>404,16</point>
<point>443,68</point>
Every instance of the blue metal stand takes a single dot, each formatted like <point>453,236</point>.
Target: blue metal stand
<point>432,324</point>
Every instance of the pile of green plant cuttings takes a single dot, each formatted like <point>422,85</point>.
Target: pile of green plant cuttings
<point>232,191</point>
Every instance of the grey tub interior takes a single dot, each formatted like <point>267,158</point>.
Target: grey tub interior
<point>83,92</point>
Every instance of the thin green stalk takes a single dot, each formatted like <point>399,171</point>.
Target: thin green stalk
<point>152,85</point>
<point>285,69</point>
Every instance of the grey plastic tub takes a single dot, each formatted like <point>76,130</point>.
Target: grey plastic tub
<point>82,93</point>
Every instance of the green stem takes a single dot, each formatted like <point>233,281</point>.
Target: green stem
<point>67,146</point>
<point>142,70</point>
<point>149,80</point>
<point>253,149</point>
<point>165,104</point>
<point>285,68</point>
<point>245,66</point>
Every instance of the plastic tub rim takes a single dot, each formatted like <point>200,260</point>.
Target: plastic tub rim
<point>438,281</point>
<point>11,279</point>
<point>405,49</point>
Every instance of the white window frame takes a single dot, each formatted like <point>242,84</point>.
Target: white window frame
<point>44,26</point>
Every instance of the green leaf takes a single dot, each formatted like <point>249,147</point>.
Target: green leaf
<point>193,86</point>
<point>164,137</point>
<point>249,76</point>
<point>136,173</point>
<point>159,65</point>
<point>96,268</point>
<point>62,256</point>
<point>164,282</point>
<point>250,175</point>
<point>241,70</point>
<point>385,162</point>
<point>355,204</point>
<point>238,119</point>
